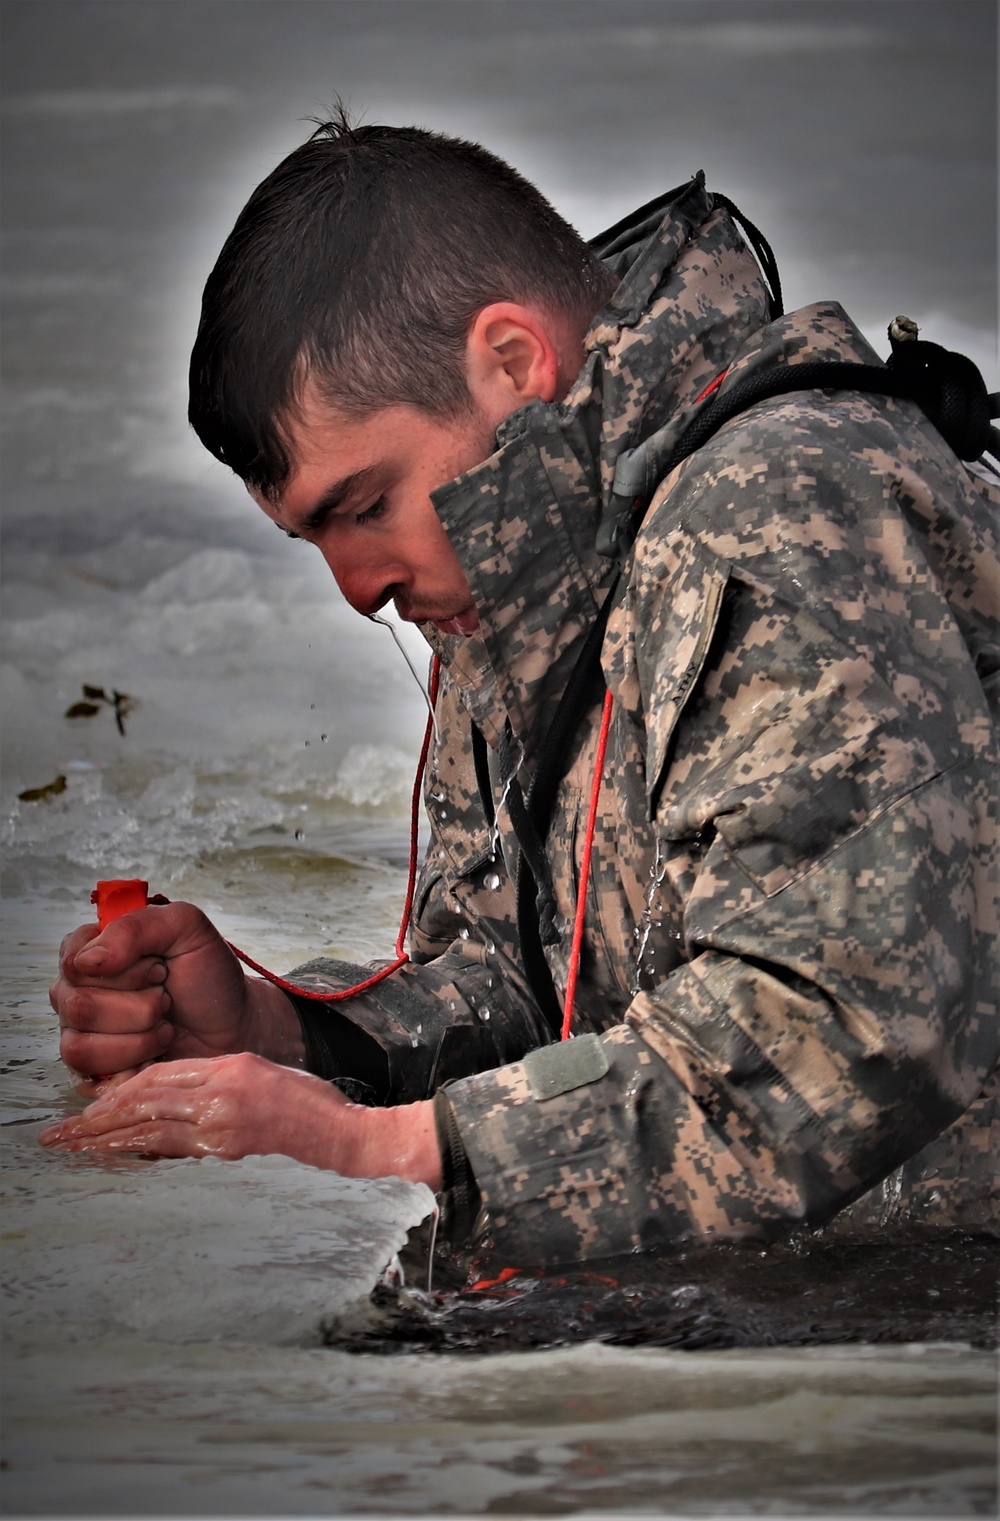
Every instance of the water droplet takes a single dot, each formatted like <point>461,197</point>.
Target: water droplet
<point>485,1013</point>
<point>491,948</point>
<point>492,881</point>
<point>463,933</point>
<point>414,1042</point>
<point>300,834</point>
<point>324,738</point>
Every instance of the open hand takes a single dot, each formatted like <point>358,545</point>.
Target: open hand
<point>241,1105</point>
<point>226,1106</point>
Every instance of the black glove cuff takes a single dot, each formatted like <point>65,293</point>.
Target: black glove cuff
<point>342,1052</point>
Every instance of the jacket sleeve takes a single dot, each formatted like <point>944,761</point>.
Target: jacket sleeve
<point>460,1005</point>
<point>825,813</point>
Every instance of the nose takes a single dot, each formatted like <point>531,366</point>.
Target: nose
<point>368,581</point>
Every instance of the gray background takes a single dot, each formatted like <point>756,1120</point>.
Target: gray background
<point>859,136</point>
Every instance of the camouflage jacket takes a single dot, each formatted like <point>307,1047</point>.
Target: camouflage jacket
<point>788,983</point>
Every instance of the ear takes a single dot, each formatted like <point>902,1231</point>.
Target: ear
<point>512,357</point>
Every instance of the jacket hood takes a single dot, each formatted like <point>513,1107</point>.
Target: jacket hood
<point>524,523</point>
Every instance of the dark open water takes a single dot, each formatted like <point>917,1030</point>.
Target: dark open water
<point>823,1289</point>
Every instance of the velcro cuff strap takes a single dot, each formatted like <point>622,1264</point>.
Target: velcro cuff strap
<point>552,1070</point>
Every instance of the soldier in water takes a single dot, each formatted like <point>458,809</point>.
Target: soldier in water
<point>713,787</point>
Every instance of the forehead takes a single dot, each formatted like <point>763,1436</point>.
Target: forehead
<point>318,434</point>
<point>329,449</point>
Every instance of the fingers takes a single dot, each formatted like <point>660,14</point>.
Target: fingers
<point>81,1004</point>
<point>104,1032</point>
<point>97,1056</point>
<point>148,1138</point>
<point>76,941</point>
<point>107,1011</point>
<point>83,957</point>
<point>153,978</point>
<point>240,1105</point>
<point>112,1002</point>
<point>148,971</point>
<point>157,1112</point>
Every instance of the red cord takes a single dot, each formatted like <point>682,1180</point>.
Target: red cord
<point>402,956</point>
<point>588,845</point>
<point>713,385</point>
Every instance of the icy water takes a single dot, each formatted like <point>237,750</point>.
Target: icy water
<point>200,1338</point>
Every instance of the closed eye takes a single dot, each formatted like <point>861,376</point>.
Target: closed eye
<point>374,512</point>
<point>370,514</point>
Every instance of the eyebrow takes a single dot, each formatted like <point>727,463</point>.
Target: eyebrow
<point>335,495</point>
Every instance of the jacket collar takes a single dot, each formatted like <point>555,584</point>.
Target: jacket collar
<point>524,522</point>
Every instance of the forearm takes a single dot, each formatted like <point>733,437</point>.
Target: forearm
<point>598,1147</point>
<point>424,1026</point>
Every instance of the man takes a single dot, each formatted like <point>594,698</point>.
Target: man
<point>786,985</point>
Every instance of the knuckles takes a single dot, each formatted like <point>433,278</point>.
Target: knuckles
<point>246,1062</point>
<point>77,1009</point>
<point>241,1065</point>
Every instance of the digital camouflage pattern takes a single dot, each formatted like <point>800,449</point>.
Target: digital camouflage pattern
<point>790,946</point>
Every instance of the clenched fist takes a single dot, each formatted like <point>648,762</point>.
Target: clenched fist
<point>162,982</point>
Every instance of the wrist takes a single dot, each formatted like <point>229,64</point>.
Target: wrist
<point>272,1025</point>
<point>400,1141</point>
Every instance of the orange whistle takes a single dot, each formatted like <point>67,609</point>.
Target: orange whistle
<point>120,897</point>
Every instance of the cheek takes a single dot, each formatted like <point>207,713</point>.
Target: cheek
<point>446,565</point>
<point>429,547</point>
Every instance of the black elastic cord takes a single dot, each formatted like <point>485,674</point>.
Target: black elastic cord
<point>480,761</point>
<point>764,384</point>
<point>763,253</point>
<point>947,392</point>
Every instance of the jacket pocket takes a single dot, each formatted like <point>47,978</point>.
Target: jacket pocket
<point>791,742</point>
<point>679,588</point>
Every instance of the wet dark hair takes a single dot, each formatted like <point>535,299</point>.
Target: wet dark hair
<point>360,263</point>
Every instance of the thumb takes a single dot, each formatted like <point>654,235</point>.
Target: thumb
<point>159,931</point>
